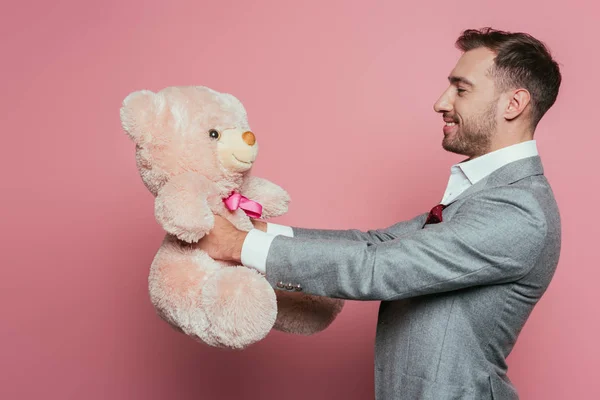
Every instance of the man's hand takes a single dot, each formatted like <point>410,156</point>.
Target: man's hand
<point>260,225</point>
<point>224,241</point>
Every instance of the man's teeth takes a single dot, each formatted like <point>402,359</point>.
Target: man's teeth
<point>450,123</point>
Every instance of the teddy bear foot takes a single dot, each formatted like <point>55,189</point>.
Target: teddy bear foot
<point>240,305</point>
<point>303,314</point>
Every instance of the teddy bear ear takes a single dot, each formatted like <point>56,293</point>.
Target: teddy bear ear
<point>138,113</point>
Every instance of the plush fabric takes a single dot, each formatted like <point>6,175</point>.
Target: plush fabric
<point>194,148</point>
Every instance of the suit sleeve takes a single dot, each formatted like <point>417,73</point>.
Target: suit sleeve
<point>494,237</point>
<point>374,236</point>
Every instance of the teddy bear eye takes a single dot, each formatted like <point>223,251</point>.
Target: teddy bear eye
<point>214,134</point>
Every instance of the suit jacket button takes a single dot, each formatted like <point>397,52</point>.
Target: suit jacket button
<point>289,286</point>
<point>280,284</point>
<point>298,287</point>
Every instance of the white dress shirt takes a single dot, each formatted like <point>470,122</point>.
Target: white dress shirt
<point>462,175</point>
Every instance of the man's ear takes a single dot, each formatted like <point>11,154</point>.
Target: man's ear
<point>138,115</point>
<point>517,104</point>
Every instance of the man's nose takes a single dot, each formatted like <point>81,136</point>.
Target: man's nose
<point>443,104</point>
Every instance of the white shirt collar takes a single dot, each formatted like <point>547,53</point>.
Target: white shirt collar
<point>480,167</point>
<point>467,173</point>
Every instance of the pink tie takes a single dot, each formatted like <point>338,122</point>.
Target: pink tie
<point>250,207</point>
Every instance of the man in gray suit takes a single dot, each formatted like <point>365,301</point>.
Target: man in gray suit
<point>458,283</point>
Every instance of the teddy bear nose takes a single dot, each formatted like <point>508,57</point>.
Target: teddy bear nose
<point>249,138</point>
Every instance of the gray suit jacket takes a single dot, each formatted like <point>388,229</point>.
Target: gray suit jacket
<point>454,295</point>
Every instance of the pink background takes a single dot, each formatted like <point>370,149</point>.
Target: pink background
<point>340,95</point>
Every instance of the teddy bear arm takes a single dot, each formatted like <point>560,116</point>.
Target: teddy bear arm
<point>182,209</point>
<point>273,198</point>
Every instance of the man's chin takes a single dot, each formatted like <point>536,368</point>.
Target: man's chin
<point>452,147</point>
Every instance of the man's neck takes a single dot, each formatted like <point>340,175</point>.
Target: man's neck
<point>502,141</point>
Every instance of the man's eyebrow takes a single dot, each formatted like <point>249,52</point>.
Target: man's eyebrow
<point>460,79</point>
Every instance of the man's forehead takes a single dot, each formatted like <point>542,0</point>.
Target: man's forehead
<point>472,66</point>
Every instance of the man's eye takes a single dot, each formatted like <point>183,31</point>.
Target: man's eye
<point>459,90</point>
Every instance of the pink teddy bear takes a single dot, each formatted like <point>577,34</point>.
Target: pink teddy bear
<point>194,152</point>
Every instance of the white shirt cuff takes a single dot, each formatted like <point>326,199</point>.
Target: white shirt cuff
<point>275,229</point>
<point>255,250</point>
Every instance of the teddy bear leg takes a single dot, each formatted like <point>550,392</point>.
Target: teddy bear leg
<point>305,314</point>
<point>176,280</point>
<point>210,301</point>
<point>240,305</point>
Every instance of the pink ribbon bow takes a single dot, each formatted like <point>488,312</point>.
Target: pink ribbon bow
<point>250,207</point>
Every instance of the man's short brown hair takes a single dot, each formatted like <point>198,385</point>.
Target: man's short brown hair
<point>521,61</point>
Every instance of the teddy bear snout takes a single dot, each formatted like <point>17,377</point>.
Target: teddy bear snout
<point>249,138</point>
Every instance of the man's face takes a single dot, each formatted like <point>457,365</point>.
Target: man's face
<point>470,105</point>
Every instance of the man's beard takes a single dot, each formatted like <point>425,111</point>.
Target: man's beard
<point>474,134</point>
